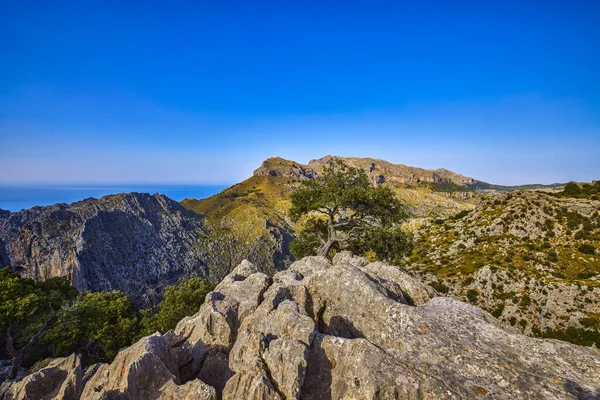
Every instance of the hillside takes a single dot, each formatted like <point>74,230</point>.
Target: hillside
<point>136,243</point>
<point>343,330</point>
<point>531,258</point>
<point>256,209</point>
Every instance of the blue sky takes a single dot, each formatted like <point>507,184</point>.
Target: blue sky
<point>506,92</point>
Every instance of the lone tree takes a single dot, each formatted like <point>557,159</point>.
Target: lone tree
<point>345,212</point>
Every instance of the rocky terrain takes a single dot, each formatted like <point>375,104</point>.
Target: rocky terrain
<point>135,243</point>
<point>530,258</point>
<point>321,330</point>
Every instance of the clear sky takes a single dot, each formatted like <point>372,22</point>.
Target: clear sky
<point>114,91</point>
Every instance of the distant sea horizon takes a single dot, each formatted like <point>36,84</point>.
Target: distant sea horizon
<point>17,196</point>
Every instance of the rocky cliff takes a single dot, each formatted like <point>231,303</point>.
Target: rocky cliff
<point>347,330</point>
<point>133,242</point>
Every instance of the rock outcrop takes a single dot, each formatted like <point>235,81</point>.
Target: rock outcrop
<point>279,167</point>
<point>61,379</point>
<point>347,330</point>
<point>381,171</point>
<point>130,242</point>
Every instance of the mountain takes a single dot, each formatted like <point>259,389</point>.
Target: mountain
<point>320,330</point>
<point>529,257</point>
<point>136,243</point>
<point>256,209</point>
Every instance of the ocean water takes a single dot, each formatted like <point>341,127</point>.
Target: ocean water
<point>15,197</point>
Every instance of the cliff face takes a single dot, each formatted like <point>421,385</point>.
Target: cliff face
<point>135,243</point>
<point>319,330</point>
<point>382,171</point>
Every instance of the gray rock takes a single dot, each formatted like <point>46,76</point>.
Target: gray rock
<point>135,243</point>
<point>61,379</point>
<point>343,331</point>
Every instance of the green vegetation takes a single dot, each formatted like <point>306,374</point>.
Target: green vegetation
<point>583,191</point>
<point>587,249</point>
<point>180,301</point>
<point>472,295</point>
<point>51,319</point>
<point>583,337</point>
<point>344,211</point>
<point>448,187</point>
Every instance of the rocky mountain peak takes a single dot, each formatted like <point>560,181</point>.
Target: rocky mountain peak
<point>279,167</point>
<point>133,242</point>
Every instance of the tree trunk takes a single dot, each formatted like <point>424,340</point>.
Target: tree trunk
<point>323,250</point>
<point>17,355</point>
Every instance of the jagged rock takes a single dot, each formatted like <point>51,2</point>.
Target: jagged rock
<point>132,242</point>
<point>61,379</point>
<point>145,370</point>
<point>195,389</point>
<point>343,330</point>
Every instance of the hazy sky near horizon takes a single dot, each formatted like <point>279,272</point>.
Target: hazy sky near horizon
<point>504,91</point>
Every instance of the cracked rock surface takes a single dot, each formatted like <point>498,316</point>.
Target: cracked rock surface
<point>343,330</point>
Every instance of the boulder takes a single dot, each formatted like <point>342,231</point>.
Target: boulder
<point>61,379</point>
<point>347,330</point>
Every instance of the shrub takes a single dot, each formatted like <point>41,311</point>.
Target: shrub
<point>472,295</point>
<point>525,301</point>
<point>498,311</point>
<point>587,249</point>
<point>440,287</point>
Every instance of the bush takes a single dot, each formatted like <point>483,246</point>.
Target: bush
<point>461,214</point>
<point>587,249</point>
<point>525,301</point>
<point>440,287</point>
<point>498,311</point>
<point>472,295</point>
<point>180,301</point>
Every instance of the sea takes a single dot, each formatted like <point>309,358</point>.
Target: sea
<point>15,197</point>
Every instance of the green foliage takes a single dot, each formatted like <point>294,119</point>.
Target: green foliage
<point>345,212</point>
<point>587,249</point>
<point>461,214</point>
<point>585,191</point>
<point>27,307</point>
<point>309,238</point>
<point>448,187</point>
<point>440,287</point>
<point>96,324</point>
<point>498,311</point>
<point>472,295</point>
<point>574,335</point>
<point>180,301</point>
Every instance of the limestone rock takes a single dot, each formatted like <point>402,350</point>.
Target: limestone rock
<point>61,379</point>
<point>343,331</point>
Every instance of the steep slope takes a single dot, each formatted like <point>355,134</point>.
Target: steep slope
<point>528,257</point>
<point>135,242</point>
<point>347,330</point>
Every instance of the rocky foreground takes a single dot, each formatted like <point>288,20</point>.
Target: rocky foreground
<point>347,330</point>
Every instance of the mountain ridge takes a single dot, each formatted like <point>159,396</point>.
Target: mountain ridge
<point>125,242</point>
